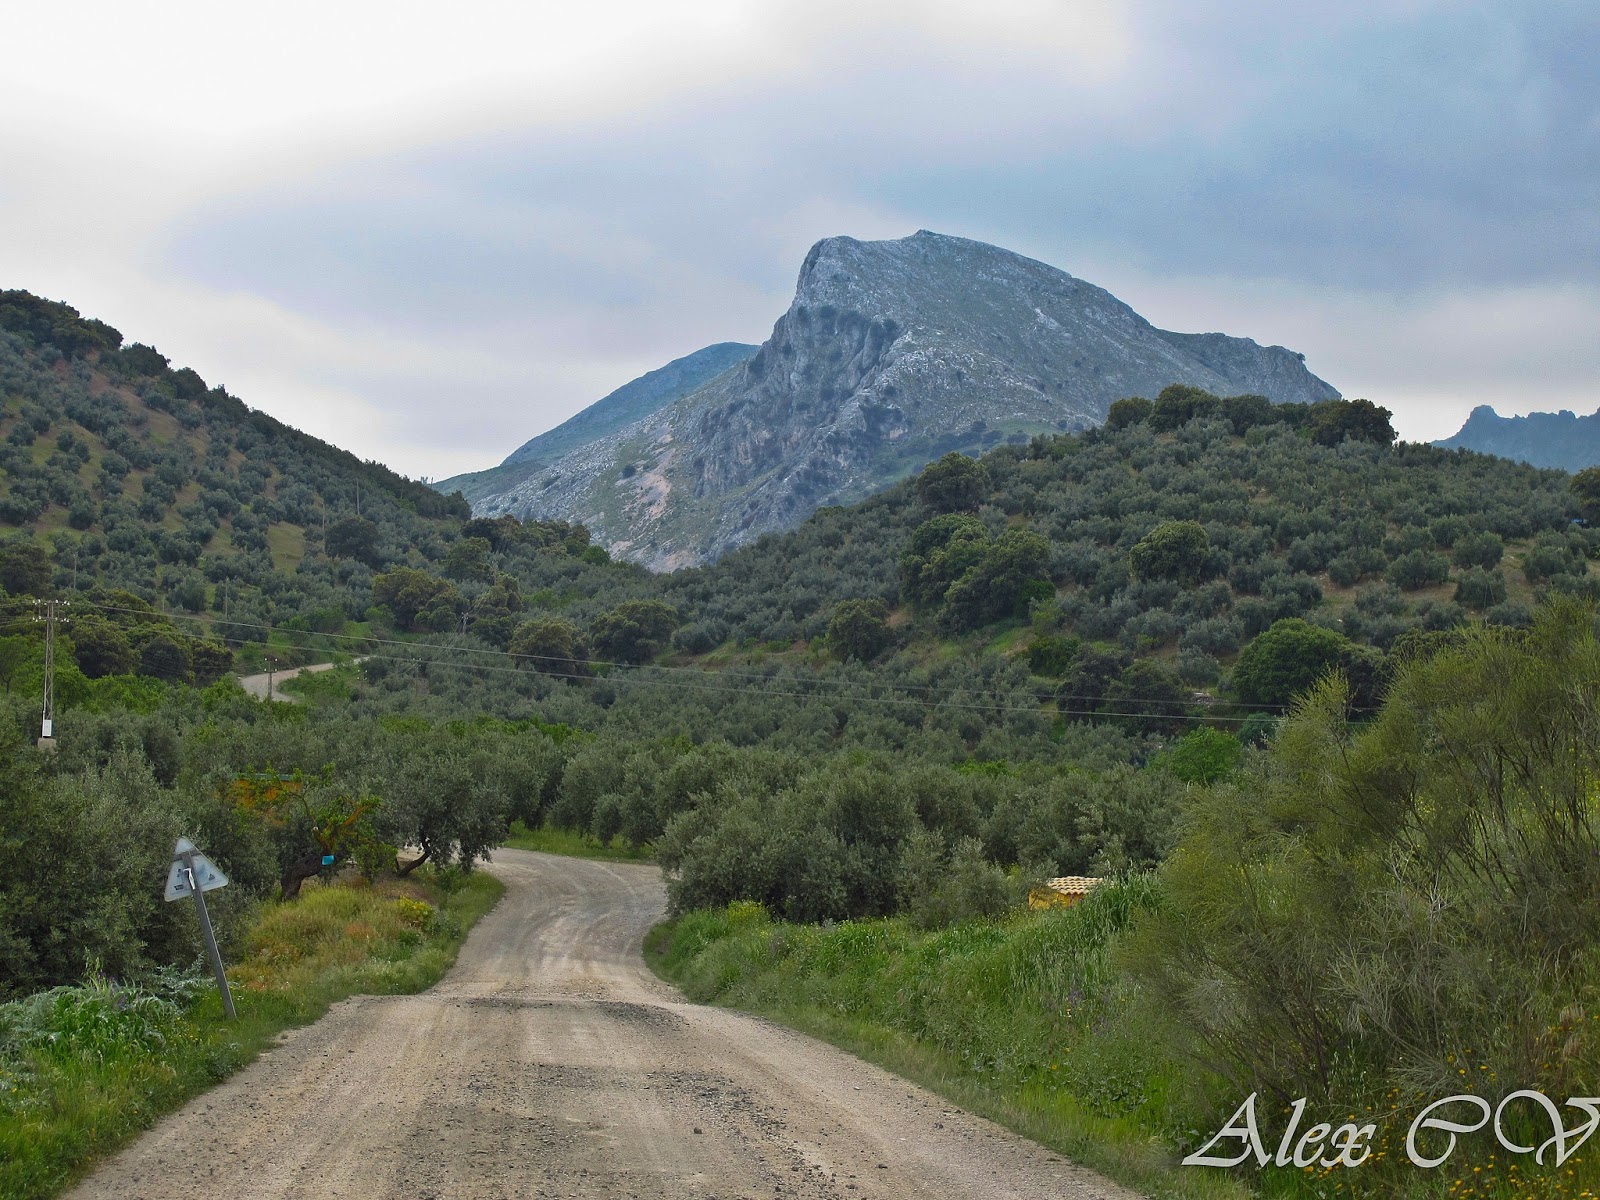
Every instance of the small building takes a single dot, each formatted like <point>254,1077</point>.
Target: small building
<point>1063,892</point>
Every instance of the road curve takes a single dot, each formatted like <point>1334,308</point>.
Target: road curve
<point>265,686</point>
<point>551,1063</point>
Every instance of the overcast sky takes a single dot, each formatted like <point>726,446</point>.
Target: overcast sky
<point>428,232</point>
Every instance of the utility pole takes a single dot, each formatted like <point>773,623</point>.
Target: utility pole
<point>47,727</point>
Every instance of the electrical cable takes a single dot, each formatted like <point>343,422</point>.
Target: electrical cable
<point>1101,711</point>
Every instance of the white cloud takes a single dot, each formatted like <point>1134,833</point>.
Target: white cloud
<point>429,232</point>
<point>1430,356</point>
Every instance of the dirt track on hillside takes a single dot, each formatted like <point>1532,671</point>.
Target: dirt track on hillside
<point>551,1063</point>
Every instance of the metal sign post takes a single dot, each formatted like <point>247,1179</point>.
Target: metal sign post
<point>193,874</point>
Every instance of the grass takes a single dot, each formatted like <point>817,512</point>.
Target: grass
<point>1026,1021</point>
<point>323,687</point>
<point>1016,1020</point>
<point>83,1070</point>
<point>549,840</point>
<point>286,544</point>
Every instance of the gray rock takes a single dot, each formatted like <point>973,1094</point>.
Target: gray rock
<point>1559,439</point>
<point>891,354</point>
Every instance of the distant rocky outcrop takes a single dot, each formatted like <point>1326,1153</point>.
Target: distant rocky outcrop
<point>1560,439</point>
<point>891,354</point>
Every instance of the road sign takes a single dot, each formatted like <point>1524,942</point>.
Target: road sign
<point>193,874</point>
<point>205,872</point>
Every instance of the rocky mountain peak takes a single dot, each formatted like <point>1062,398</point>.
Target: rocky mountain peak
<point>890,354</point>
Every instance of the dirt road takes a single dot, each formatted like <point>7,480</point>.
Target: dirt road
<point>551,1063</point>
<point>261,685</point>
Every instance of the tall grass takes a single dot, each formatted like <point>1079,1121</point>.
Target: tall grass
<point>83,1069</point>
<point>1032,1021</point>
<point>1023,1019</point>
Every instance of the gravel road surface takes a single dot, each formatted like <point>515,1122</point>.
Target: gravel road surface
<point>550,1062</point>
<point>258,685</point>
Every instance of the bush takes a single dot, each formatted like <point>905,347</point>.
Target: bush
<point>1455,896</point>
<point>1052,654</point>
<point>1548,557</point>
<point>633,632</point>
<point>1510,615</point>
<point>860,629</point>
<point>1332,421</point>
<point>1478,589</point>
<point>552,645</point>
<point>1418,569</point>
<point>938,890</point>
<point>1001,583</point>
<point>1133,410</point>
<point>1258,728</point>
<point>1178,403</point>
<point>1205,755</point>
<point>1479,550</point>
<point>1150,697</point>
<point>1216,635</point>
<point>1174,550</point>
<point>955,483</point>
<point>1198,668</point>
<point>1285,661</point>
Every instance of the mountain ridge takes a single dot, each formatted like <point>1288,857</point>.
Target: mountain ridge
<point>1562,440</point>
<point>890,354</point>
<point>633,401</point>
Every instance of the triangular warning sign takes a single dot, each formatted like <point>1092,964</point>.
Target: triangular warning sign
<point>210,878</point>
<point>206,875</point>
<point>177,882</point>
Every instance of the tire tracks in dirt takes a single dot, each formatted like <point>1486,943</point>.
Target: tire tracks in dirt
<point>550,1063</point>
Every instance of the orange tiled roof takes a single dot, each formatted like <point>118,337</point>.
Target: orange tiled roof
<point>1073,885</point>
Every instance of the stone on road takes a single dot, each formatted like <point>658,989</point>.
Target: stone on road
<point>550,1062</point>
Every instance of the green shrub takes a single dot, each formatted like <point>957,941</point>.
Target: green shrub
<point>1454,896</point>
<point>1285,661</point>
<point>1479,550</point>
<point>1418,569</point>
<point>1205,755</point>
<point>1172,550</point>
<point>1478,589</point>
<point>860,629</point>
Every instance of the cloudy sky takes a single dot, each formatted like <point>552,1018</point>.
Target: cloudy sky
<point>428,232</point>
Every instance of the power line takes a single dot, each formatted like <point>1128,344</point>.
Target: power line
<point>1101,710</point>
<point>620,666</point>
<point>932,705</point>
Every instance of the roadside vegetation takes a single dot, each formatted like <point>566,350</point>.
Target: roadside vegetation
<point>1018,1018</point>
<point>1321,702</point>
<point>85,1067</point>
<point>550,839</point>
<point>1372,915</point>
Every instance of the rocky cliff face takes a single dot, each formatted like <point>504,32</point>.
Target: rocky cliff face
<point>1559,439</point>
<point>891,354</point>
<point>631,402</point>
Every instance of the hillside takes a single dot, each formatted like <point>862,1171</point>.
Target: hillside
<point>1139,559</point>
<point>1560,439</point>
<point>633,401</point>
<point>1174,535</point>
<point>141,477</point>
<point>994,671</point>
<point>891,354</point>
